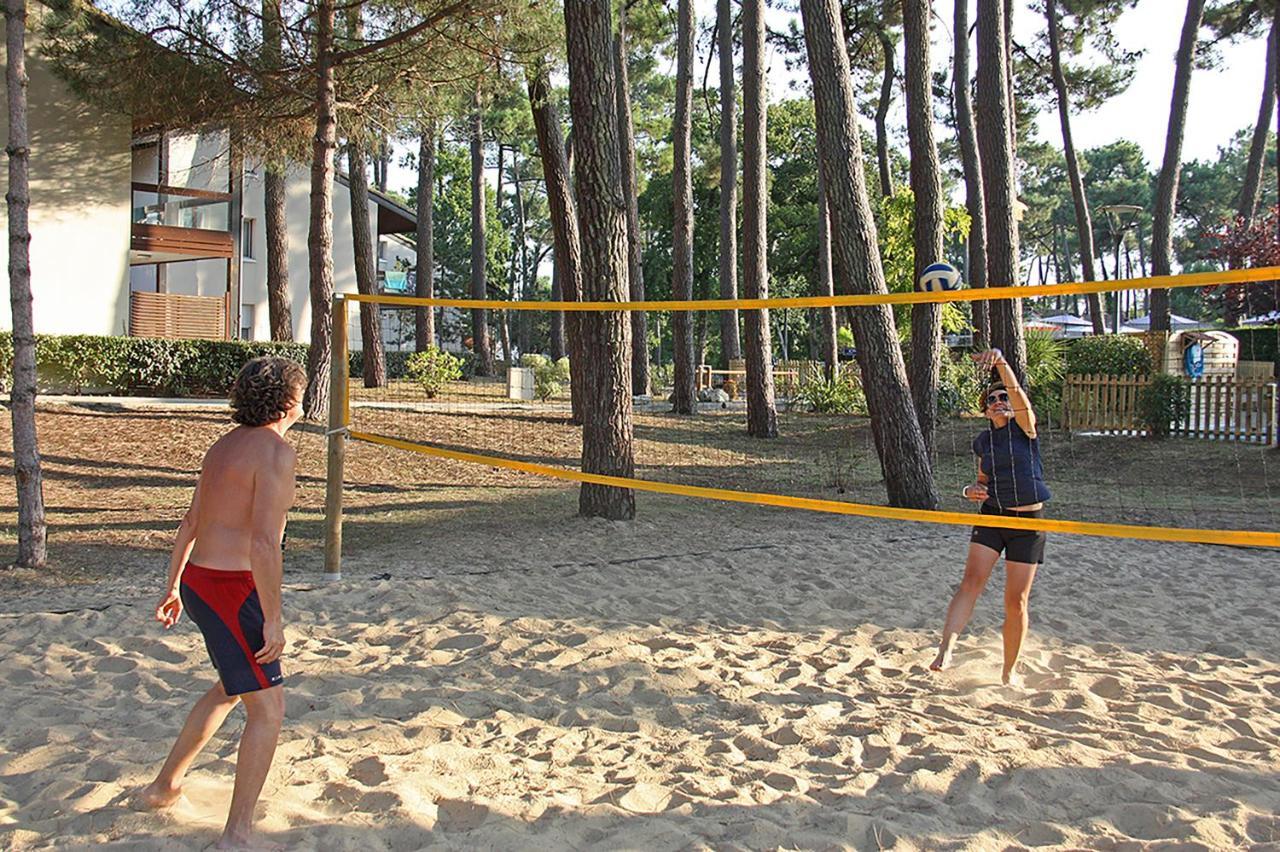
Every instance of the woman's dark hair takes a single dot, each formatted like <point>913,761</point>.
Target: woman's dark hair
<point>994,386</point>
<point>265,389</point>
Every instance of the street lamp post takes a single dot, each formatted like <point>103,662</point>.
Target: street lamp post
<point>1121,218</point>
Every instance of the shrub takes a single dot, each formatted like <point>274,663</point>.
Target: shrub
<point>433,369</point>
<point>661,377</point>
<point>396,361</point>
<point>1166,400</point>
<point>1045,369</point>
<point>1258,343</point>
<point>152,365</point>
<point>1109,355</point>
<point>548,376</point>
<point>841,395</point>
<point>959,383</point>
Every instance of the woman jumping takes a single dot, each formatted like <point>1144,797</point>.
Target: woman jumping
<point>1010,482</point>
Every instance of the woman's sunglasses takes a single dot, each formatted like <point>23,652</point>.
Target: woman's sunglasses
<point>998,396</point>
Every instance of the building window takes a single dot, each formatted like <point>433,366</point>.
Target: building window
<point>247,249</point>
<point>246,322</point>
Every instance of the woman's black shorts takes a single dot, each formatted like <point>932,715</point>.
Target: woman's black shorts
<point>1016,545</point>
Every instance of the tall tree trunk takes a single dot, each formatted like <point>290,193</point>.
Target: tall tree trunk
<point>279,310</point>
<point>976,260</point>
<point>504,327</point>
<point>424,325</point>
<point>479,316</point>
<point>995,145</point>
<point>1252,188</point>
<point>32,529</point>
<point>520,289</point>
<point>926,187</point>
<point>557,343</point>
<point>567,274</point>
<point>685,395</point>
<point>1171,168</point>
<point>372,357</point>
<point>607,432</point>
<point>1084,224</point>
<point>730,346</point>
<point>904,458</point>
<point>828,344</point>
<point>382,163</point>
<point>374,362</point>
<point>635,251</point>
<point>320,234</point>
<point>762,413</point>
<point>882,109</point>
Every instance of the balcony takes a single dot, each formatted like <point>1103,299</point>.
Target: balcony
<point>172,223</point>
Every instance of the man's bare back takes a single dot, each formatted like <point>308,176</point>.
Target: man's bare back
<point>246,487</point>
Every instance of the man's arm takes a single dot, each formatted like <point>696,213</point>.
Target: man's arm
<point>170,608</point>
<point>273,492</point>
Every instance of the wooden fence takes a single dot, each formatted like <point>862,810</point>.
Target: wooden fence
<point>1222,407</point>
<point>788,376</point>
<point>176,316</point>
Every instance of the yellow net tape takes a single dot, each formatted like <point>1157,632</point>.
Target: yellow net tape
<point>972,294</point>
<point>1244,538</point>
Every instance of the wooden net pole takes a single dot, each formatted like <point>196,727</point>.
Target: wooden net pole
<point>337,435</point>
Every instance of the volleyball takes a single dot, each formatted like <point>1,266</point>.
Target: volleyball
<point>939,276</point>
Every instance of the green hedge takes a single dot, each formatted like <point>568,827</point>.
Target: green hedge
<point>1108,355</point>
<point>78,363</point>
<point>397,367</point>
<point>1258,343</point>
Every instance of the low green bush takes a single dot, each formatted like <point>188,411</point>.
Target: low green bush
<point>959,383</point>
<point>433,369</point>
<point>396,361</point>
<point>548,376</point>
<point>1046,364</point>
<point>78,363</point>
<point>1109,355</point>
<point>841,395</point>
<point>1163,402</point>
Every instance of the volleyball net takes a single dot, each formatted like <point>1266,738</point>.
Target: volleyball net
<point>456,419</point>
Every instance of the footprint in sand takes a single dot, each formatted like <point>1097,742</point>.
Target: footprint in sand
<point>370,772</point>
<point>460,642</point>
<point>754,748</point>
<point>116,665</point>
<point>1109,688</point>
<point>460,815</point>
<point>1263,829</point>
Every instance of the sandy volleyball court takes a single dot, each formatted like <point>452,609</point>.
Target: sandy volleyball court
<point>706,677</point>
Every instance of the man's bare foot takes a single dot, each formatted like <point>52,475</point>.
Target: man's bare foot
<point>247,843</point>
<point>154,798</point>
<point>1013,679</point>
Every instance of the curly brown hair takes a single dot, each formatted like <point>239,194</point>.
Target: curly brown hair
<point>266,389</point>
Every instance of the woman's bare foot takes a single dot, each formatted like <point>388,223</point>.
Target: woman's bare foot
<point>248,843</point>
<point>155,798</point>
<point>1012,678</point>
<point>943,660</point>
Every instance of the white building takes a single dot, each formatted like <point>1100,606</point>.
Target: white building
<point>139,231</point>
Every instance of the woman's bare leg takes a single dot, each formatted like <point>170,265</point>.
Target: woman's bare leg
<point>977,570</point>
<point>1017,589</point>
<point>205,718</point>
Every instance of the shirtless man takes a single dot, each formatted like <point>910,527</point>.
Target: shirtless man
<point>225,571</point>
